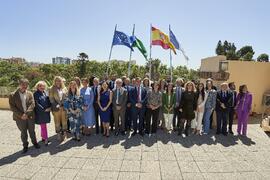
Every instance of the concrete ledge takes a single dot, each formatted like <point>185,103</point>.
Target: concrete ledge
<point>4,104</point>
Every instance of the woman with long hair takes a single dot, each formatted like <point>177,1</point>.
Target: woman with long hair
<point>154,103</point>
<point>57,95</point>
<point>42,109</point>
<point>73,105</point>
<point>202,96</point>
<point>146,84</point>
<point>168,102</point>
<point>88,115</point>
<point>104,103</point>
<point>243,109</point>
<point>188,106</point>
<point>162,89</point>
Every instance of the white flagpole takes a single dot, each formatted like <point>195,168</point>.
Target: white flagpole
<point>107,72</point>
<point>150,54</point>
<point>170,57</point>
<point>130,54</point>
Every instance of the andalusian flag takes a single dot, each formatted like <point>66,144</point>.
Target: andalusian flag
<point>161,39</point>
<point>138,44</point>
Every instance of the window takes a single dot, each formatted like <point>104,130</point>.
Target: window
<point>223,66</point>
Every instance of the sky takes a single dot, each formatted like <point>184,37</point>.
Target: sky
<point>39,30</point>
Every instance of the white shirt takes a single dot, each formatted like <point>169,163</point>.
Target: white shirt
<point>60,94</point>
<point>23,99</point>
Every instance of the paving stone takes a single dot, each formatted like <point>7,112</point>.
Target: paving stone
<point>66,174</point>
<point>105,175</point>
<point>129,176</point>
<point>75,163</point>
<point>111,165</point>
<point>86,174</point>
<point>128,165</point>
<point>150,166</point>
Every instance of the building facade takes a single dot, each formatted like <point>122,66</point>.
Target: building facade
<point>61,60</point>
<point>256,75</point>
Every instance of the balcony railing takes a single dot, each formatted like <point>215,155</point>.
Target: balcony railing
<point>218,76</point>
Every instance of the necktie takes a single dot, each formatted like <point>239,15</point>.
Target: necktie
<point>138,95</point>
<point>118,94</point>
<point>177,94</point>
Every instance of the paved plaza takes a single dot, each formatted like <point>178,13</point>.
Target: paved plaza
<point>163,156</point>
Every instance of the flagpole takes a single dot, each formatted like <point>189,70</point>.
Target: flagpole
<point>130,53</point>
<point>171,57</point>
<point>107,72</point>
<point>150,54</point>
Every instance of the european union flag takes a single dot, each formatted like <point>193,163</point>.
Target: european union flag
<point>174,40</point>
<point>121,38</point>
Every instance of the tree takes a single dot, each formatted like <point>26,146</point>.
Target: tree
<point>263,58</point>
<point>82,59</point>
<point>246,53</point>
<point>227,49</point>
<point>220,48</point>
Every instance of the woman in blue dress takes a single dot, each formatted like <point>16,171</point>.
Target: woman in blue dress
<point>104,103</point>
<point>88,115</point>
<point>73,105</point>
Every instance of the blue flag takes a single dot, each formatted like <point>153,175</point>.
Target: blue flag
<point>174,40</point>
<point>121,38</point>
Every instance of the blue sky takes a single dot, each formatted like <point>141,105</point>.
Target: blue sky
<point>40,30</point>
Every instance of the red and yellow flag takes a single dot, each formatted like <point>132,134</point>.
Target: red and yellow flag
<point>161,39</point>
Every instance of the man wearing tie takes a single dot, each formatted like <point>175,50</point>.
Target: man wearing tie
<point>222,108</point>
<point>112,87</point>
<point>128,108</point>
<point>138,97</point>
<point>178,95</point>
<point>232,105</point>
<point>95,89</point>
<point>119,107</point>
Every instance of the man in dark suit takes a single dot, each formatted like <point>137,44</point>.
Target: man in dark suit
<point>128,116</point>
<point>22,105</point>
<point>232,105</point>
<point>119,102</point>
<point>95,89</point>
<point>178,95</point>
<point>222,108</point>
<point>112,87</point>
<point>138,96</point>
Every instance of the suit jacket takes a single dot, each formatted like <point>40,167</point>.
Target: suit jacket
<point>225,100</point>
<point>128,88</point>
<point>180,94</point>
<point>234,98</point>
<point>55,99</point>
<point>111,85</point>
<point>122,99</point>
<point>134,96</point>
<point>16,107</point>
<point>95,90</point>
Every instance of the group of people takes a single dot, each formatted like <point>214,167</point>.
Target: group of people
<point>121,105</point>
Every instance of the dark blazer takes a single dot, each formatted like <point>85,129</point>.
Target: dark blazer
<point>16,107</point>
<point>128,88</point>
<point>95,92</point>
<point>225,100</point>
<point>42,102</point>
<point>234,98</point>
<point>134,96</point>
<point>111,85</point>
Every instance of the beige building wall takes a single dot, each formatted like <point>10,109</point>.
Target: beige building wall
<point>211,64</point>
<point>256,75</point>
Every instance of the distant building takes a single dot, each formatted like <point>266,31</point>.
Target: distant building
<point>14,60</point>
<point>61,60</point>
<point>254,74</point>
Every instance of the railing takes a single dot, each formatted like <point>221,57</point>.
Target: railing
<point>219,76</point>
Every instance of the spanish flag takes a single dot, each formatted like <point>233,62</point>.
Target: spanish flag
<point>161,39</point>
